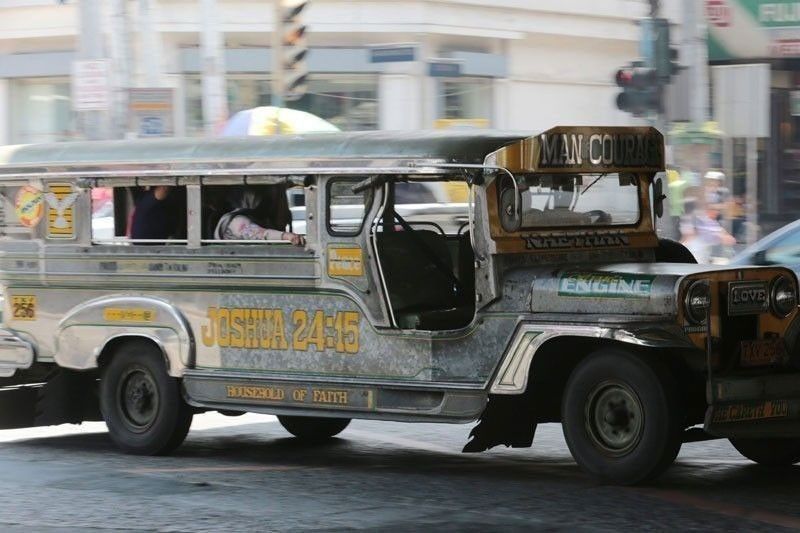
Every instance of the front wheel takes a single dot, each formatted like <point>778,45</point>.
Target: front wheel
<point>141,404</point>
<point>313,429</point>
<point>622,417</point>
<point>769,452</point>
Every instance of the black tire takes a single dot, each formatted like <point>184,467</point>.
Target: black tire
<point>313,429</point>
<point>141,404</point>
<point>670,251</point>
<point>622,416</point>
<point>769,452</point>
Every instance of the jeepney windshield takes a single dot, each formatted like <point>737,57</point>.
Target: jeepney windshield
<point>559,200</point>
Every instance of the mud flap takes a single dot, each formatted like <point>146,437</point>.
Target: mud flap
<point>507,420</point>
<point>66,397</point>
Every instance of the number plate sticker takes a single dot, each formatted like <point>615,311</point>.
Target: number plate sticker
<point>762,352</point>
<point>23,307</point>
<point>742,412</point>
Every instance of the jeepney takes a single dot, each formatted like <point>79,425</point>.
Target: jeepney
<point>554,301</point>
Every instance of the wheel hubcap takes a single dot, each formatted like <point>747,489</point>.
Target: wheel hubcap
<point>138,398</point>
<point>614,418</point>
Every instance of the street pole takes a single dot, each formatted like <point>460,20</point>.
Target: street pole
<point>696,52</point>
<point>215,105</point>
<point>277,61</point>
<point>752,189</point>
<point>119,53</point>
<point>93,124</point>
<point>151,51</point>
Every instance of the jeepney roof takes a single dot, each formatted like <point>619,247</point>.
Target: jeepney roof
<point>466,147</point>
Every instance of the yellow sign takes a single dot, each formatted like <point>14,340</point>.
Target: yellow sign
<point>758,411</point>
<point>269,329</point>
<point>29,206</point>
<point>128,314</point>
<point>23,307</point>
<point>60,200</point>
<point>345,262</point>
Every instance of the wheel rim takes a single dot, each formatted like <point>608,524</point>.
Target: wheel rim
<point>138,399</point>
<point>614,418</point>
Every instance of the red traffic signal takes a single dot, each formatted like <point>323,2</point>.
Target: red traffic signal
<point>636,77</point>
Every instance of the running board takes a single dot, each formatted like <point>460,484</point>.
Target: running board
<point>247,392</point>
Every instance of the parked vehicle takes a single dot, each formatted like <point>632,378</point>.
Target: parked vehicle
<point>554,301</point>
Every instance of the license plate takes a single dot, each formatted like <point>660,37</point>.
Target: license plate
<point>762,352</point>
<point>741,412</point>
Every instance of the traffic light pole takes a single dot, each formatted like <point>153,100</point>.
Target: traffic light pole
<point>277,55</point>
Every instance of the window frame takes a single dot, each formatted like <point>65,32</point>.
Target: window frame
<point>368,198</point>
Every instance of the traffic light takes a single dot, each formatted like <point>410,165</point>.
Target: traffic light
<point>641,90</point>
<point>665,57</point>
<point>294,52</point>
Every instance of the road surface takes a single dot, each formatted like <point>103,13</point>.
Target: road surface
<point>247,474</point>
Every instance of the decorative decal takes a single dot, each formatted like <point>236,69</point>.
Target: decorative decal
<point>269,329</point>
<point>60,214</point>
<point>23,307</point>
<point>308,395</point>
<point>594,285</point>
<point>29,206</point>
<point>589,239</point>
<point>345,261</point>
<point>752,411</point>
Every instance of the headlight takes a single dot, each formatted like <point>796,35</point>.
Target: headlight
<point>783,296</point>
<point>698,300</point>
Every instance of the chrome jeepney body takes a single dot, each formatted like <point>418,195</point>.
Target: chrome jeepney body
<point>318,330</point>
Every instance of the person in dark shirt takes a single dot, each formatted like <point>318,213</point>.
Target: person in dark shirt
<point>156,215</point>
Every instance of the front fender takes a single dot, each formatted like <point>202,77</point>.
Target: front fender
<point>514,369</point>
<point>87,329</point>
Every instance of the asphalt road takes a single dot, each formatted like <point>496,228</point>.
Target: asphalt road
<point>247,474</point>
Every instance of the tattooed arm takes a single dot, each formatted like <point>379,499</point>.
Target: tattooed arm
<point>242,228</point>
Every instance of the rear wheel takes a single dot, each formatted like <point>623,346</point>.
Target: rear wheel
<point>313,429</point>
<point>769,452</point>
<point>622,417</point>
<point>141,404</point>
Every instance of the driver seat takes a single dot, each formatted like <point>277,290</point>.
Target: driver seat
<point>422,296</point>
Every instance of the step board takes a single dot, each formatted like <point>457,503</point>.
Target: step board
<point>267,394</point>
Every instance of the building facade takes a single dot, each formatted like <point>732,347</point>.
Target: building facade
<point>520,64</point>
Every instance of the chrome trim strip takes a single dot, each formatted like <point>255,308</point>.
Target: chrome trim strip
<point>338,380</point>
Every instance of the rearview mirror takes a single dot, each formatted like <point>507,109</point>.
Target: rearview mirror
<point>658,197</point>
<point>510,216</point>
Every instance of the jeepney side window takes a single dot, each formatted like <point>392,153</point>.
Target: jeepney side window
<point>267,206</point>
<point>139,215</point>
<point>345,210</point>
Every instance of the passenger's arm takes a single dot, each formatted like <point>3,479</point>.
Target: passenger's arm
<point>242,228</point>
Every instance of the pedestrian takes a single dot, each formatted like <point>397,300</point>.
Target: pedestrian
<point>701,229</point>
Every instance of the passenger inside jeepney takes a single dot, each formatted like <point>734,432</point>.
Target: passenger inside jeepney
<point>256,212</point>
<point>159,213</point>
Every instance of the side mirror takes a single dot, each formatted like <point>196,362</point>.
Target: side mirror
<point>510,206</point>
<point>760,258</point>
<point>658,197</point>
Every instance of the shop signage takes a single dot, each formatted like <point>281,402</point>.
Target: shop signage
<point>90,85</point>
<point>150,112</point>
<point>393,53</point>
<point>444,68</point>
<point>752,29</point>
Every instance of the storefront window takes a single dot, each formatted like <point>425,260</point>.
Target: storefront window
<point>41,110</point>
<point>349,102</point>
<point>465,98</point>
